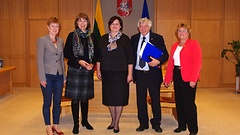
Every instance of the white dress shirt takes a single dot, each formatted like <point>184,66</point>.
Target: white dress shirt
<point>137,67</point>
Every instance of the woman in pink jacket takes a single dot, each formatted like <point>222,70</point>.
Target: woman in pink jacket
<point>183,69</point>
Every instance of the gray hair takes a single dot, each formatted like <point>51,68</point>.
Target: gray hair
<point>145,20</point>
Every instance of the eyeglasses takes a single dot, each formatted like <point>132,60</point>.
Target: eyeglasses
<point>182,31</point>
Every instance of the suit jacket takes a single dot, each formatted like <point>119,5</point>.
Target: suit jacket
<point>158,41</point>
<point>190,61</point>
<point>49,58</point>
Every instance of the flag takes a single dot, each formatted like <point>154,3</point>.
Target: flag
<point>145,10</point>
<point>98,28</point>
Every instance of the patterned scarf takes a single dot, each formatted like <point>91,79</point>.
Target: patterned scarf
<point>112,41</point>
<point>78,48</point>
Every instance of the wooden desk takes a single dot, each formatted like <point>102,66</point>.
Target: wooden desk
<point>6,79</point>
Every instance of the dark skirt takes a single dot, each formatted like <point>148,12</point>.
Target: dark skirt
<point>80,84</point>
<point>115,89</point>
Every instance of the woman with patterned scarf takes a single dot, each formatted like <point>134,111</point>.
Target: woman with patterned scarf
<point>114,68</point>
<point>81,52</point>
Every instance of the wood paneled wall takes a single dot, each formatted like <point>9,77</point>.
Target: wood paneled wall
<point>22,22</point>
<point>214,23</point>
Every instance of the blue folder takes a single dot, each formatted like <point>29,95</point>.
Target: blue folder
<point>147,50</point>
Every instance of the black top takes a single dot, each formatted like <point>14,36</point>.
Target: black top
<point>68,52</point>
<point>118,59</point>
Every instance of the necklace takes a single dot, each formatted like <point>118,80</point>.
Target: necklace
<point>54,41</point>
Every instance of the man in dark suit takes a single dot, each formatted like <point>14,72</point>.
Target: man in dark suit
<point>148,75</point>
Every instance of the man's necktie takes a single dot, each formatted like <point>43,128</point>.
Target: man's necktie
<point>142,63</point>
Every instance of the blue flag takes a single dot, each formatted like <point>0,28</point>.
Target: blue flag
<point>145,10</point>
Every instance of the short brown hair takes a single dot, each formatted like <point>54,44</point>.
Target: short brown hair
<point>83,16</point>
<point>112,19</point>
<point>53,20</point>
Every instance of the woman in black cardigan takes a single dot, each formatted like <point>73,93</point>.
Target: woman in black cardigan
<point>81,52</point>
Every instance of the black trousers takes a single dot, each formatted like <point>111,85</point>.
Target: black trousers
<point>185,102</point>
<point>145,82</point>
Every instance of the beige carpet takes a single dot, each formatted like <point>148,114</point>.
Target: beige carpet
<point>20,114</point>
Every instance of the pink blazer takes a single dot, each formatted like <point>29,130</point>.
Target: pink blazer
<point>190,60</point>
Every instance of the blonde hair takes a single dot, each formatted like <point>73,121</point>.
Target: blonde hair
<point>185,26</point>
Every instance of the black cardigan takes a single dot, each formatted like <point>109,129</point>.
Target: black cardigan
<point>72,60</point>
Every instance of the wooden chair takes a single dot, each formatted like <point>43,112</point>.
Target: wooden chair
<point>166,101</point>
<point>65,104</point>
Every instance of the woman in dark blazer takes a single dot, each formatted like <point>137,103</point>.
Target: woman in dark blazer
<point>114,68</point>
<point>51,73</point>
<point>81,52</point>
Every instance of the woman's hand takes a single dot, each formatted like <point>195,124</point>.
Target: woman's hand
<point>99,76</point>
<point>43,83</point>
<point>192,84</point>
<point>89,66</point>
<point>129,78</point>
<point>83,63</point>
<point>166,84</point>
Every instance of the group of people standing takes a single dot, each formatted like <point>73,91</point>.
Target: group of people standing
<point>118,62</point>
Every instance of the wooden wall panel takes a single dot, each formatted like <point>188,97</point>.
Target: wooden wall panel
<point>232,9</point>
<point>71,8</point>
<point>5,39</point>
<point>35,33</point>
<point>231,32</point>
<point>214,23</point>
<point>42,9</point>
<point>209,37</point>
<point>88,8</point>
<point>17,53</point>
<point>4,9</point>
<point>181,12</point>
<point>17,41</point>
<point>19,75</point>
<point>34,80</point>
<point>67,27</point>
<point>229,73</point>
<point>210,73</point>
<point>17,9</point>
<point>165,28</point>
<point>207,9</point>
<point>171,9</point>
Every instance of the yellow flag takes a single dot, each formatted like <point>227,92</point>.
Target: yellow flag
<point>98,28</point>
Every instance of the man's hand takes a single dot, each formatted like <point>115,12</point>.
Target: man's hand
<point>154,62</point>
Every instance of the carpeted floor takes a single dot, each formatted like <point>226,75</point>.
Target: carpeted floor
<point>20,114</point>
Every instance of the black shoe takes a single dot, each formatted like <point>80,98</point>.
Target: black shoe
<point>178,130</point>
<point>75,129</point>
<point>192,134</point>
<point>157,129</point>
<point>110,127</point>
<point>116,130</point>
<point>142,128</point>
<point>87,125</point>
